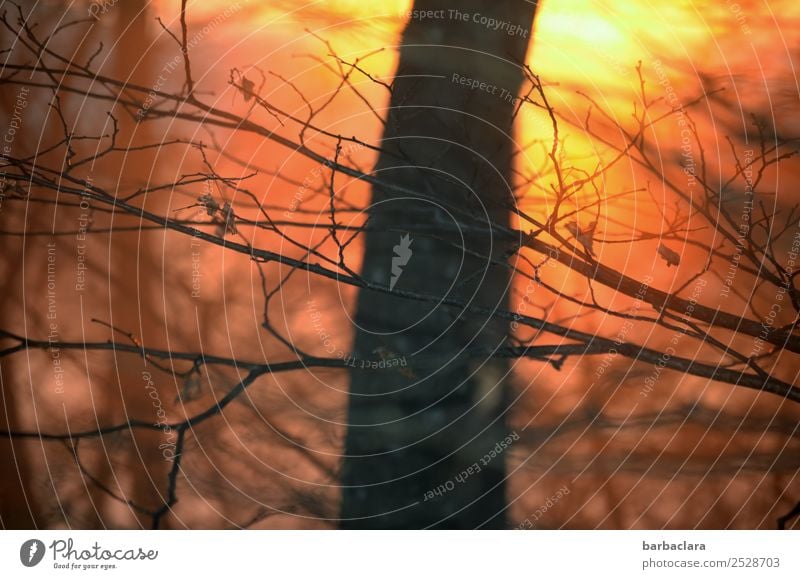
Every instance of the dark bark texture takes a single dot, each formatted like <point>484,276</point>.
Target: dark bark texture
<point>419,435</point>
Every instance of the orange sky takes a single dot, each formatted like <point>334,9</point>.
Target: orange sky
<point>591,45</point>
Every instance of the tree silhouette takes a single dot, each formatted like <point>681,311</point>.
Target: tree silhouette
<point>462,263</point>
<point>411,432</point>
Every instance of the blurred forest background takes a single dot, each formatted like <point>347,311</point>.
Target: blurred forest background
<point>596,449</point>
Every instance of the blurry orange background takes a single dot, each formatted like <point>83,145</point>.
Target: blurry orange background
<point>246,468</point>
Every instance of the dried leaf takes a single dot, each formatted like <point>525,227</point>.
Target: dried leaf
<point>668,255</point>
<point>248,89</point>
<point>228,218</point>
<point>583,236</point>
<point>209,203</point>
<point>191,389</point>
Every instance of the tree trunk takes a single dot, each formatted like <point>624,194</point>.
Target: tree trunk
<point>427,435</point>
